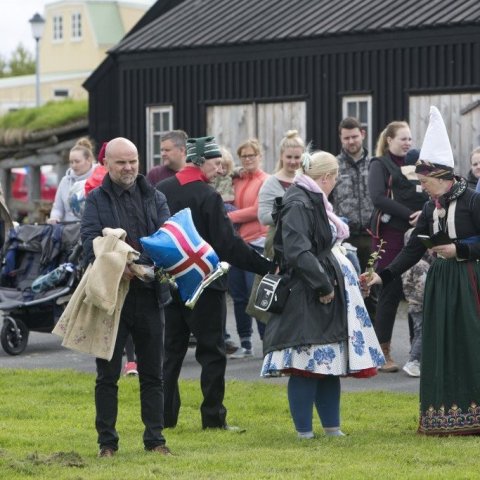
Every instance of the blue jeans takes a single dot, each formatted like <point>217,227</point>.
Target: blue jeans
<point>416,347</point>
<point>239,286</point>
<point>324,393</point>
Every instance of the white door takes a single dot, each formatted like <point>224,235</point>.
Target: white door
<point>232,124</point>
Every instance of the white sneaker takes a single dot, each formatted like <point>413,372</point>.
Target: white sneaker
<point>242,353</point>
<point>305,435</point>
<point>412,368</point>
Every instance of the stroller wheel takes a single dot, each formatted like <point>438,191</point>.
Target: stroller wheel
<point>14,336</point>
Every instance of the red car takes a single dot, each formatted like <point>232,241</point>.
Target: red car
<point>49,183</point>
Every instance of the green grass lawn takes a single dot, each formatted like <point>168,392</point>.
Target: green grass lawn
<point>47,432</point>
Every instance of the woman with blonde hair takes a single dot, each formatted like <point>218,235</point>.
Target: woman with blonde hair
<point>324,331</point>
<point>223,183</point>
<point>245,217</point>
<point>398,202</point>
<point>81,160</point>
<point>292,147</point>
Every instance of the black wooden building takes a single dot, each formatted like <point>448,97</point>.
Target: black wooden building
<point>260,67</point>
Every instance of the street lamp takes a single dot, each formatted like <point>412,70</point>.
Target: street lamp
<point>38,23</point>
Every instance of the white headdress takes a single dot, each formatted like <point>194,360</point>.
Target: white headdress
<point>436,145</point>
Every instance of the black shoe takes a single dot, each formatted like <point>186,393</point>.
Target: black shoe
<point>230,347</point>
<point>106,452</point>
<point>160,449</point>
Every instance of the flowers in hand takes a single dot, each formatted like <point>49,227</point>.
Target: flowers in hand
<point>162,276</point>
<point>369,274</point>
<point>375,257</point>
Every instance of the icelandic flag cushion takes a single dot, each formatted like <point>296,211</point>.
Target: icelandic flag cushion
<point>178,248</point>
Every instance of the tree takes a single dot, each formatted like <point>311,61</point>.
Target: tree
<point>21,62</point>
<point>3,67</point>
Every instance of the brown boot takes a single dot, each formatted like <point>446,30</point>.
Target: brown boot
<point>390,366</point>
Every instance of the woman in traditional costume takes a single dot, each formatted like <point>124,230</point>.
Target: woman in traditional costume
<point>450,373</point>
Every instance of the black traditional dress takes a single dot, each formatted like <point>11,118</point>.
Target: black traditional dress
<point>450,371</point>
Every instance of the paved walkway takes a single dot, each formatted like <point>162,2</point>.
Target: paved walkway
<point>45,351</point>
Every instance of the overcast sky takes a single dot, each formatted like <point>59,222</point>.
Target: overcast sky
<point>14,25</point>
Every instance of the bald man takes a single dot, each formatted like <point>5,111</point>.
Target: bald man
<point>126,200</point>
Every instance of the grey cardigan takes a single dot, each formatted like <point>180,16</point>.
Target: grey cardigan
<point>271,189</point>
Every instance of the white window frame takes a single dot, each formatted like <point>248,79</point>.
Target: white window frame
<point>366,123</point>
<point>58,93</point>
<point>153,134</point>
<point>57,28</point>
<point>76,26</point>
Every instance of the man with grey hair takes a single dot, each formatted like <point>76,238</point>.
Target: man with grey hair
<point>173,149</point>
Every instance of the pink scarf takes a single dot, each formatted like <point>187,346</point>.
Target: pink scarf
<point>311,185</point>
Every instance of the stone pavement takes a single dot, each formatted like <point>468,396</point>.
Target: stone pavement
<point>249,369</point>
<point>45,351</point>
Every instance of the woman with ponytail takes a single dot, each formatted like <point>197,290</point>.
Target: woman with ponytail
<point>81,167</point>
<point>398,201</point>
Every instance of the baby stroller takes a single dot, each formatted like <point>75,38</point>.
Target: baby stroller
<point>39,272</point>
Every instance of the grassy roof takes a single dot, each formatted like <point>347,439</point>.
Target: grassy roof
<point>48,116</point>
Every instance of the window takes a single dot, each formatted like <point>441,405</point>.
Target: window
<point>58,27</point>
<point>159,121</point>
<point>360,107</point>
<point>76,26</point>
<point>60,93</point>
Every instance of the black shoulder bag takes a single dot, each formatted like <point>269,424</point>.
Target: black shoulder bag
<point>273,289</point>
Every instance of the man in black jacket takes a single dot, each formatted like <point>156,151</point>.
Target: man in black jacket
<point>126,200</point>
<point>190,188</point>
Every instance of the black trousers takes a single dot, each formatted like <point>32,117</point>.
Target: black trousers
<point>143,318</point>
<point>207,322</point>
<point>388,301</point>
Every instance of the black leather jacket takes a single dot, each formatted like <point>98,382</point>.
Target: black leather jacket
<point>101,212</point>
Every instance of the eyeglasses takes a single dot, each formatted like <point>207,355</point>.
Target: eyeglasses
<point>246,157</point>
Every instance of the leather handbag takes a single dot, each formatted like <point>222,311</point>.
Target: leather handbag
<point>272,293</point>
